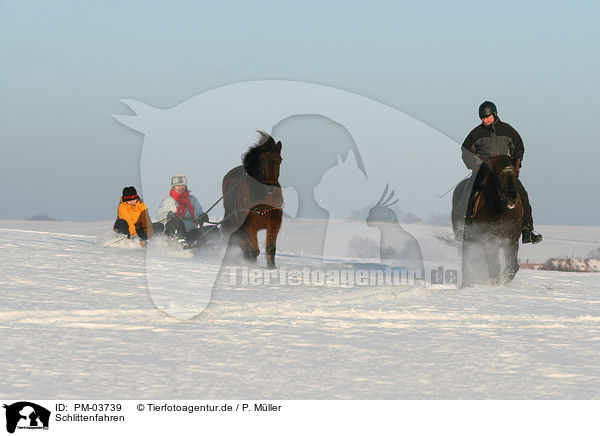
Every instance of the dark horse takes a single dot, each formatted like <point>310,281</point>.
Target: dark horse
<point>253,199</point>
<point>496,223</point>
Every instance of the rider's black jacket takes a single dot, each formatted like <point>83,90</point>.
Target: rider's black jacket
<point>495,139</point>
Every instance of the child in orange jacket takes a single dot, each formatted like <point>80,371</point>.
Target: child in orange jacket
<point>133,219</point>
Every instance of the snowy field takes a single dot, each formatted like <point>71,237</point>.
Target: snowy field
<point>77,321</point>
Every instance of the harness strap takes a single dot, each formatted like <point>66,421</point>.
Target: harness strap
<point>265,211</point>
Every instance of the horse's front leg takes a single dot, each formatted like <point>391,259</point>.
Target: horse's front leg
<point>511,254</point>
<point>493,262</point>
<point>273,226</point>
<point>252,241</point>
<point>467,273</point>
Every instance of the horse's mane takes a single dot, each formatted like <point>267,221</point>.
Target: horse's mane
<point>501,159</point>
<point>265,143</point>
<point>493,163</point>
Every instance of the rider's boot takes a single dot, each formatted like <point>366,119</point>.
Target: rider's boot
<point>531,237</point>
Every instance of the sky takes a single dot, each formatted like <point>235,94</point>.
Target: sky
<point>66,65</point>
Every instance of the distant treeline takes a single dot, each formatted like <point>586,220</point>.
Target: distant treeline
<point>41,217</point>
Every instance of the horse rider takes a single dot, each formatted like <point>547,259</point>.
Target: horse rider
<point>490,138</point>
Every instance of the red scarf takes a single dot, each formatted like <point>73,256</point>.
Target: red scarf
<point>183,203</point>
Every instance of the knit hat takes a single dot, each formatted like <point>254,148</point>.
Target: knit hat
<point>178,180</point>
<point>129,193</point>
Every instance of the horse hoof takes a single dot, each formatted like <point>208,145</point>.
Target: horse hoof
<point>507,279</point>
<point>249,257</point>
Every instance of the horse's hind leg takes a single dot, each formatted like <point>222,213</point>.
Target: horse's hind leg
<point>235,240</point>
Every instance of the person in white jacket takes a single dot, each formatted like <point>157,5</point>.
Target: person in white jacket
<point>182,211</point>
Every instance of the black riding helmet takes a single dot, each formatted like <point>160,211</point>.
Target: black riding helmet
<point>486,109</point>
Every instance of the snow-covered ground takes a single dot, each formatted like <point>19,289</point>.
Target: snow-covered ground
<point>77,321</point>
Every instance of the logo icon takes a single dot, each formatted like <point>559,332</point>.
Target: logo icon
<point>340,152</point>
<point>26,415</point>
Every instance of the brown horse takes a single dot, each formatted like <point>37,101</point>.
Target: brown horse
<point>253,201</point>
<point>496,222</point>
